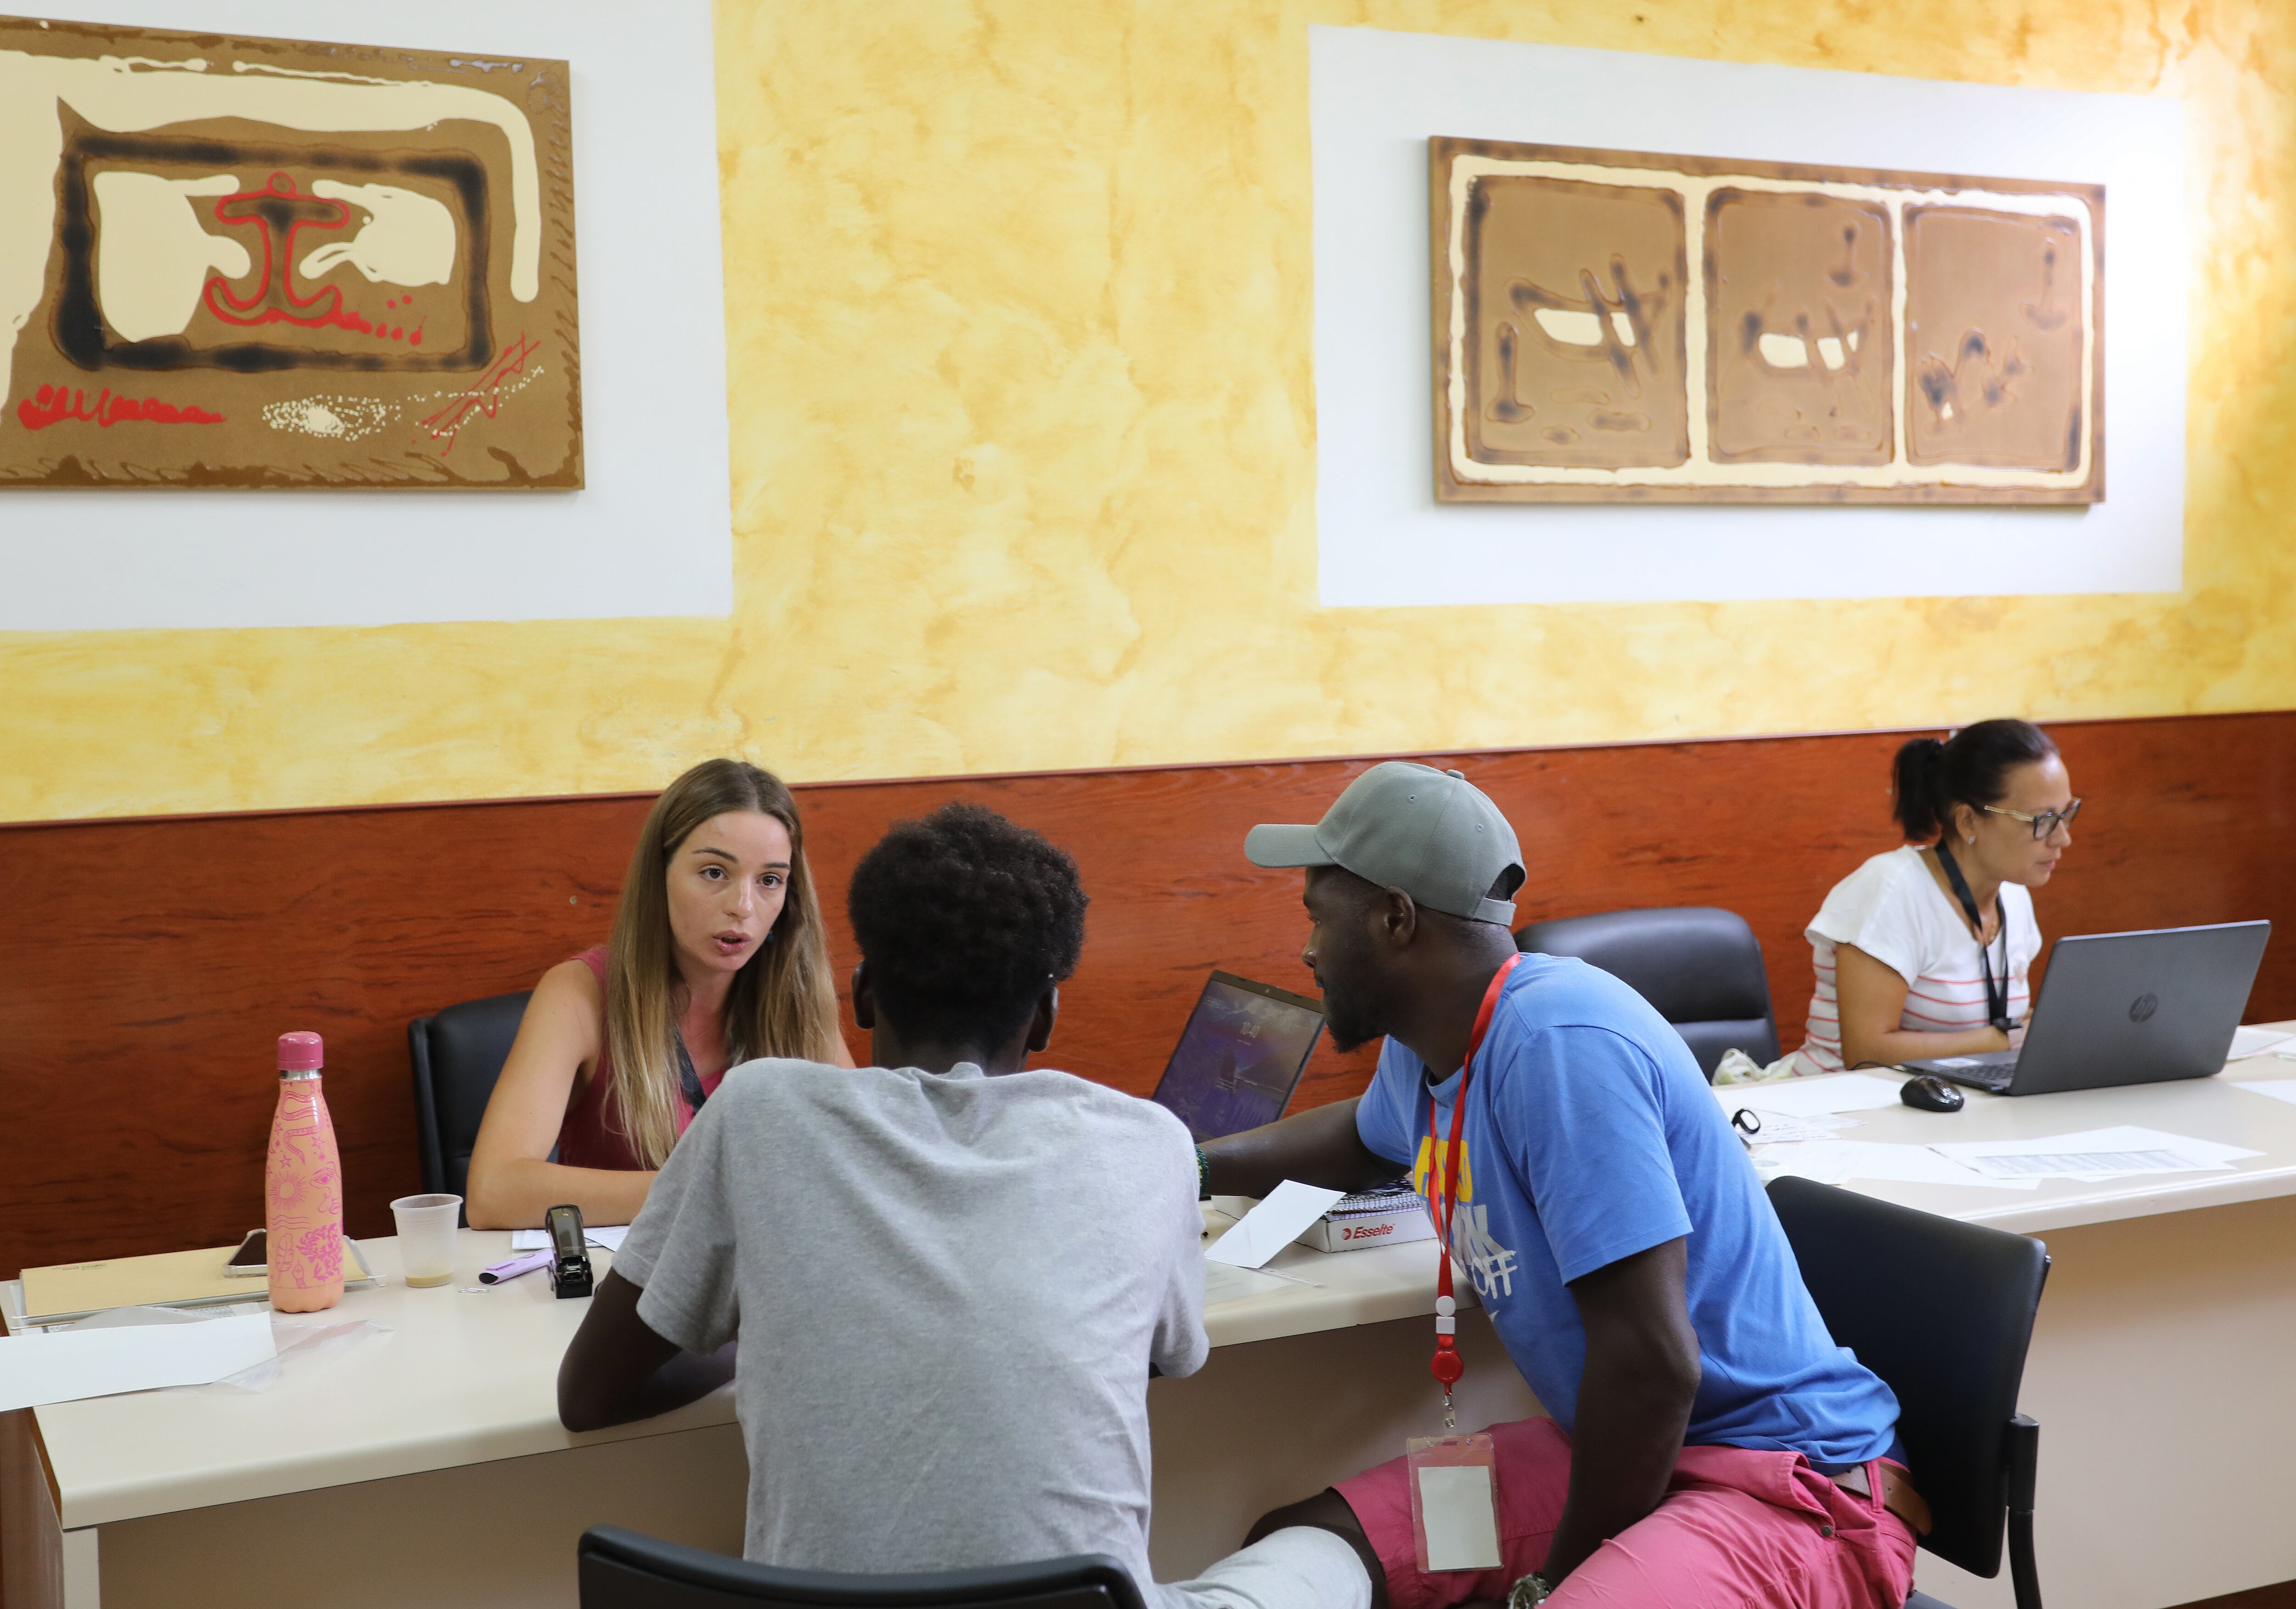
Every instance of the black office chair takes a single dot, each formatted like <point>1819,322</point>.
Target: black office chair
<point>1702,967</point>
<point>622,1570</point>
<point>1942,1311</point>
<point>457,1056</point>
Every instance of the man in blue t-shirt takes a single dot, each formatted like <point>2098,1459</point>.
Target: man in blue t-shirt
<point>1710,1443</point>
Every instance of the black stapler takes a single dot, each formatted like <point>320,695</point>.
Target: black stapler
<point>569,1253</point>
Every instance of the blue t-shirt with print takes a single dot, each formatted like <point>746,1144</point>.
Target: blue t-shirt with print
<point>1590,1136</point>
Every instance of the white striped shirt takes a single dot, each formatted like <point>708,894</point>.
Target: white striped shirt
<point>1893,909</point>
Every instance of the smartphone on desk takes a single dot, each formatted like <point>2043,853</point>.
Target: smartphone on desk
<point>251,1259</point>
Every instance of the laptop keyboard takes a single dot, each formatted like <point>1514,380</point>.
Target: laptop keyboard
<point>1990,1072</point>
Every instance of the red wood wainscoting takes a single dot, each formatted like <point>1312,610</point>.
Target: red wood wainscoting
<point>147,965</point>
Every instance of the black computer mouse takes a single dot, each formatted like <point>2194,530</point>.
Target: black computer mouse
<point>1930,1093</point>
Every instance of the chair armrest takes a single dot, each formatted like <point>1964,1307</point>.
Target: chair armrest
<point>2021,1453</point>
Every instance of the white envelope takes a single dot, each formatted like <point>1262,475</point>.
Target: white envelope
<point>1278,1221</point>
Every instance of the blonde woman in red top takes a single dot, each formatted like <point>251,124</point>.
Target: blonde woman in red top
<point>717,957</point>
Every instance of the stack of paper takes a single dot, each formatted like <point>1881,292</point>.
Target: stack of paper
<point>2095,1154</point>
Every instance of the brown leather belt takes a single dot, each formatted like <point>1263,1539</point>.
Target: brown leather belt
<point>1897,1494</point>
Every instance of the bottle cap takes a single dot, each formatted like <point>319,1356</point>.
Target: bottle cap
<point>301,1053</point>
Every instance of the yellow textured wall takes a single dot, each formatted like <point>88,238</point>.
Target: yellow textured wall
<point>1024,447</point>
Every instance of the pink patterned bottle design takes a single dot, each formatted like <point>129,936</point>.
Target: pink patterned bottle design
<point>303,1185</point>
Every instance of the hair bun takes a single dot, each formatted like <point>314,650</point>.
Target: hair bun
<point>1969,766</point>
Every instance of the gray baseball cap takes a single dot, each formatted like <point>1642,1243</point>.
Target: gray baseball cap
<point>1431,833</point>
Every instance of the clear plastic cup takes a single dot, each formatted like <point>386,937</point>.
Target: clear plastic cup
<point>426,1238</point>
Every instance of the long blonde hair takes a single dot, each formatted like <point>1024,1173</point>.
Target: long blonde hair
<point>782,1002</point>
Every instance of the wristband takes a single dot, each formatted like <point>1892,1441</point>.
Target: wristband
<point>1204,1175</point>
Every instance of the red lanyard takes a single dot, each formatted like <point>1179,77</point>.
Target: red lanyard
<point>1443,1196</point>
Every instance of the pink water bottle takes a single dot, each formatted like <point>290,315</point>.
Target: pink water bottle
<point>303,1185</point>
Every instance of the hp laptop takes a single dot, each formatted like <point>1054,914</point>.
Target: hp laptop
<point>1240,1056</point>
<point>2126,1008</point>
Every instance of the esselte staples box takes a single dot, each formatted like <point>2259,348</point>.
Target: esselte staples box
<point>1370,1218</point>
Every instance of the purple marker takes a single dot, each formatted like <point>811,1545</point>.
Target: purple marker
<point>514,1268</point>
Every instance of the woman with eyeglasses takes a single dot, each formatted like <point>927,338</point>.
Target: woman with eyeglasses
<point>1924,950</point>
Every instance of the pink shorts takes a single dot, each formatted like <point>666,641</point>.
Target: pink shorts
<point>1736,1527</point>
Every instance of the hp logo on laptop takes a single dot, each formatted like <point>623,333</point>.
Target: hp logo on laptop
<point>2143,1007</point>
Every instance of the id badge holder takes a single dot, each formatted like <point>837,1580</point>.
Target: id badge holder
<point>1455,1488</point>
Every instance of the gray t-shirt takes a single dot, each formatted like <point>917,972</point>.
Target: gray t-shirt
<point>947,1290</point>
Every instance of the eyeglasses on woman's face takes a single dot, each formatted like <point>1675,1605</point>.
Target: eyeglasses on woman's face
<point>2043,824</point>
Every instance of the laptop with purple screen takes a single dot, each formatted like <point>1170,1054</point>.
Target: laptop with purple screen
<point>1240,1056</point>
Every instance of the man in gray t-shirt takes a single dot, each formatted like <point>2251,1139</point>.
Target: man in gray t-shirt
<point>948,1290</point>
<point>945,1279</point>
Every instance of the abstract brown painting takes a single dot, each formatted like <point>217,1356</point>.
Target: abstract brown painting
<point>1626,326</point>
<point>260,262</point>
<point>1981,398</point>
<point>1584,371</point>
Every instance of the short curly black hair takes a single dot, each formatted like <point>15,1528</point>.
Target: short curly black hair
<point>963,919</point>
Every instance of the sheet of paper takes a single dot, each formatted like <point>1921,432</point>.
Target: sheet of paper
<point>1812,1098</point>
<point>64,1365</point>
<point>2279,1090</point>
<point>1278,1221</point>
<point>2092,1164</point>
<point>2255,1041</point>
<point>1776,1131</point>
<point>120,1318</point>
<point>606,1237</point>
<point>2095,1154</point>
<point>1830,1161</point>
<point>1225,1282</point>
<point>1455,1502</point>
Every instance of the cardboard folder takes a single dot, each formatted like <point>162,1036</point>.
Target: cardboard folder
<point>168,1279</point>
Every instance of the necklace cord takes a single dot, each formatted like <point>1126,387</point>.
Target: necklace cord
<point>1996,996</point>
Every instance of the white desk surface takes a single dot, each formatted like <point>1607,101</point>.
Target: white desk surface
<point>2207,1109</point>
<point>459,1380</point>
<point>470,1378</point>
